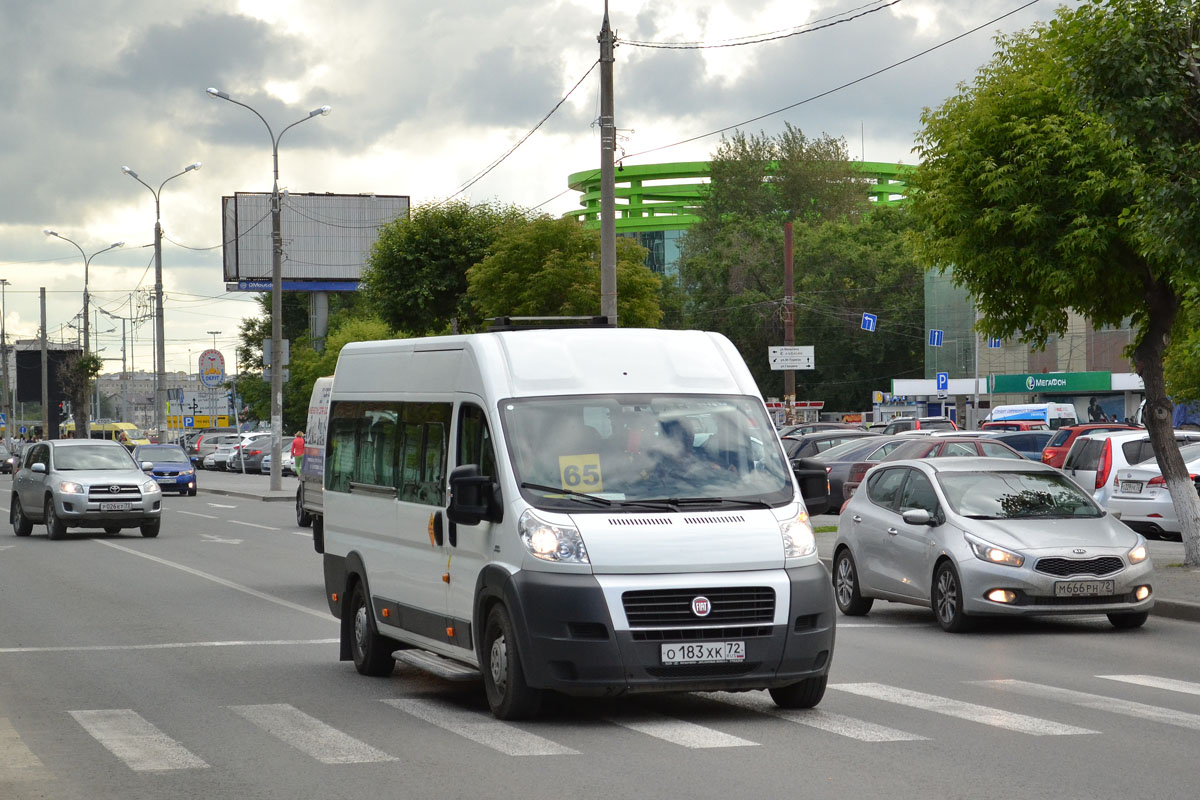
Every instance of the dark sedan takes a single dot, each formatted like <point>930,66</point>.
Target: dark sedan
<point>854,458</point>
<point>1028,443</point>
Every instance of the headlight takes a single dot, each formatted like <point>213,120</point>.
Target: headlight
<point>70,487</point>
<point>798,539</point>
<point>551,542</point>
<point>993,554</point>
<point>1138,554</point>
<point>188,472</point>
<point>150,487</point>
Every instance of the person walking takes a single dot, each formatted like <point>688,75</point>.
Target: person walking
<point>298,450</point>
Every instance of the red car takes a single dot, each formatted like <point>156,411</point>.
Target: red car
<point>1055,451</point>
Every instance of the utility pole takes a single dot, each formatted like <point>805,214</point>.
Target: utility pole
<point>7,406</point>
<point>45,374</point>
<point>789,325</point>
<point>608,146</point>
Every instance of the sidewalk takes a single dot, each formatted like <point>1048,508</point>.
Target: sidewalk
<point>249,486</point>
<point>1176,587</point>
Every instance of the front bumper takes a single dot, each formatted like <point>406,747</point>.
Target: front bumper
<point>78,510</point>
<point>569,643</point>
<point>174,482</point>
<point>1035,590</point>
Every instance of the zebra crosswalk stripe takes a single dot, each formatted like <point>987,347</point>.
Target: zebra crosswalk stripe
<point>1169,716</point>
<point>961,710</point>
<point>827,721</point>
<point>310,736</point>
<point>481,729</point>
<point>136,741</point>
<point>680,732</point>
<point>1155,682</point>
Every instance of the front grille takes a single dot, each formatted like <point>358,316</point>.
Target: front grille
<point>167,474</point>
<point>1064,567</point>
<point>701,634</point>
<point>702,670</point>
<point>669,608</point>
<point>102,493</point>
<point>1047,600</point>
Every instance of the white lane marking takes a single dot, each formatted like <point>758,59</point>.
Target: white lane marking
<point>193,513</point>
<point>220,505</point>
<point>826,721</point>
<point>305,534</point>
<point>134,740</point>
<point>481,729</point>
<point>311,736</point>
<point>680,732</point>
<point>228,584</point>
<point>1155,682</point>
<point>17,762</point>
<point>211,539</point>
<point>1128,708</point>
<point>253,525</point>
<point>93,648</point>
<point>955,708</point>
<point>7,546</point>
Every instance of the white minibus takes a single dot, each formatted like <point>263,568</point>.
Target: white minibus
<point>587,511</point>
<point>1054,415</point>
<point>310,505</point>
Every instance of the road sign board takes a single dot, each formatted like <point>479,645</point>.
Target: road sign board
<point>943,381</point>
<point>868,322</point>
<point>22,430</point>
<point>791,357</point>
<point>189,422</point>
<point>877,397</point>
<point>212,368</point>
<point>935,337</point>
<point>995,342</point>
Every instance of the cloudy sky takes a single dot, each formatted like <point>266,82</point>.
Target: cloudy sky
<point>424,96</point>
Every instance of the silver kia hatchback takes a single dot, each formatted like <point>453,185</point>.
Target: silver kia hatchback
<point>987,536</point>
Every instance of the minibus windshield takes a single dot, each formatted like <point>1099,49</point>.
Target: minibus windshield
<point>637,448</point>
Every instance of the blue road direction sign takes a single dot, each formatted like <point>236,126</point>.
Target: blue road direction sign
<point>995,342</point>
<point>868,322</point>
<point>943,381</point>
<point>23,430</point>
<point>935,337</point>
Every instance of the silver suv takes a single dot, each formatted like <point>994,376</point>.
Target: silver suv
<point>83,483</point>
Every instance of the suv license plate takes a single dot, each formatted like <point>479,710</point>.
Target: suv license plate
<point>1131,487</point>
<point>1083,588</point>
<point>703,652</point>
<point>115,506</point>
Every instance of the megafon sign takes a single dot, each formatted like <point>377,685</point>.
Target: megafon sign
<point>1054,383</point>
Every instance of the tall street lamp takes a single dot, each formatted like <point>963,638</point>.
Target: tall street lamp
<point>87,261</point>
<point>213,334</point>
<point>5,406</point>
<point>276,289</point>
<point>160,367</point>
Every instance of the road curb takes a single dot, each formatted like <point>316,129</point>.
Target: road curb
<point>1176,609</point>
<point>249,496</point>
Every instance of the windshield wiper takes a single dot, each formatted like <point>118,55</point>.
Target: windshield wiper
<point>541,487</point>
<point>677,503</point>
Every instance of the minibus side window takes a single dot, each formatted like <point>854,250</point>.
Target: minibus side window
<point>339,449</point>
<point>426,429</point>
<point>475,440</point>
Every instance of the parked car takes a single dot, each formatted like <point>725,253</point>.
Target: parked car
<point>813,427</point>
<point>6,460</point>
<point>963,446</point>
<point>806,445</point>
<point>1015,425</point>
<point>970,537</point>
<point>898,424</point>
<point>1095,458</point>
<point>1055,451</point>
<point>208,443</point>
<point>850,460</point>
<point>83,483</point>
<point>1029,443</point>
<point>172,468</point>
<point>287,464</point>
<point>238,455</point>
<point>1141,497</point>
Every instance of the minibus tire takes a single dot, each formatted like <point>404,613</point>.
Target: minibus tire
<point>303,518</point>
<point>804,694</point>
<point>372,653</point>
<point>509,696</point>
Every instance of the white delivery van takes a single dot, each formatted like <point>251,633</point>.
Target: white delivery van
<point>590,511</point>
<point>310,505</point>
<point>1055,415</point>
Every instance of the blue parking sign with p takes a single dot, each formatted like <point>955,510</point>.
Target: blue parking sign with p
<point>943,381</point>
<point>868,322</point>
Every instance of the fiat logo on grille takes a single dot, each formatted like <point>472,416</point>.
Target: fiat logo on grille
<point>701,606</point>
<point>114,489</point>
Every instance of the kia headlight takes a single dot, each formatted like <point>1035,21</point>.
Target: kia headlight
<point>70,487</point>
<point>985,551</point>
<point>1138,554</point>
<point>798,538</point>
<point>150,487</point>
<point>551,541</point>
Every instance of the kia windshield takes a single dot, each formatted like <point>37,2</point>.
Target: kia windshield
<point>1015,495</point>
<point>648,452</point>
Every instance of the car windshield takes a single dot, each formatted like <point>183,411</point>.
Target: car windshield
<point>160,452</point>
<point>624,448</point>
<point>1015,495</point>
<point>85,457</point>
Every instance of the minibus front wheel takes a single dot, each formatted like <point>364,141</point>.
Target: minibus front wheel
<point>372,653</point>
<point>509,696</point>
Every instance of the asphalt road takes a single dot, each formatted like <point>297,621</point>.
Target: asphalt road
<point>203,664</point>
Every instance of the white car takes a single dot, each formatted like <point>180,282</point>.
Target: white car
<point>228,453</point>
<point>287,464</point>
<point>1140,495</point>
<point>1095,458</point>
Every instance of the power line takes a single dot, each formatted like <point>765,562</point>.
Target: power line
<point>759,38</point>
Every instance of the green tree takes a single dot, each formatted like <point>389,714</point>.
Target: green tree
<point>1063,178</point>
<point>551,267</point>
<point>416,278</point>
<point>77,376</point>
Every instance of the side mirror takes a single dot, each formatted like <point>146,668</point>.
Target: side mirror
<point>917,516</point>
<point>473,497</point>
<point>147,466</point>
<point>39,467</point>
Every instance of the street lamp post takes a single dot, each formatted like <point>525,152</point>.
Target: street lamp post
<point>160,366</point>
<point>87,261</point>
<point>276,289</point>
<point>6,406</point>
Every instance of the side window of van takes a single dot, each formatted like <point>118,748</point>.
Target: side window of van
<point>475,440</point>
<point>401,445</point>
<point>340,446</point>
<point>426,440</point>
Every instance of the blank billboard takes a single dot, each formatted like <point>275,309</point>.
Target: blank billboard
<point>326,237</point>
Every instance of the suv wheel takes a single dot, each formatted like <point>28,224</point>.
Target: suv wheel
<point>55,527</point>
<point>21,524</point>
